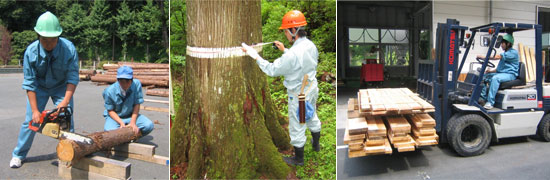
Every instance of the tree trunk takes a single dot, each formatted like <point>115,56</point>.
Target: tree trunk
<point>69,150</point>
<point>164,26</point>
<point>227,125</point>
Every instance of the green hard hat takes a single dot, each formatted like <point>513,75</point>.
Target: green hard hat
<point>509,38</point>
<point>47,25</point>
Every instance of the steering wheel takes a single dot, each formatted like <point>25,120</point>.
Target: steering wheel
<point>490,64</point>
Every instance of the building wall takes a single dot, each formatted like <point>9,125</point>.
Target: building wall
<point>476,13</point>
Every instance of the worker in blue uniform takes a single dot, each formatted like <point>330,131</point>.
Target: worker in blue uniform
<point>122,101</point>
<point>507,70</point>
<point>50,69</point>
<point>299,60</point>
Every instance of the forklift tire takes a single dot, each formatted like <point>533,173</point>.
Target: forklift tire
<point>469,134</point>
<point>543,130</point>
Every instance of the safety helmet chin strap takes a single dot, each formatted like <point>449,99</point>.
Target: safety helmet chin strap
<point>295,33</point>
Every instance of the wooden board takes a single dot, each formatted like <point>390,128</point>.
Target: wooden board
<point>66,171</point>
<point>375,127</point>
<point>354,154</point>
<point>356,146</point>
<point>357,126</point>
<point>375,141</point>
<point>398,124</point>
<point>353,114</point>
<point>523,59</point>
<point>424,131</point>
<point>101,165</point>
<point>534,63</point>
<point>136,148</point>
<point>405,146</point>
<point>148,108</point>
<point>386,146</point>
<point>351,104</point>
<point>530,65</point>
<point>349,138</point>
<point>425,138</point>
<point>375,149</point>
<point>425,142</point>
<point>421,120</point>
<point>400,138</point>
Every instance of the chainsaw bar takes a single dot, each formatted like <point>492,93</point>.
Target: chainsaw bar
<point>76,137</point>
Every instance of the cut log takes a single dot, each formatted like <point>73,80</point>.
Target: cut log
<point>134,65</point>
<point>69,150</point>
<point>148,108</point>
<point>161,93</point>
<point>90,72</point>
<point>142,73</point>
<point>144,82</point>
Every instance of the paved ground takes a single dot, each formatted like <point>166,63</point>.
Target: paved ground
<point>512,158</point>
<point>88,116</point>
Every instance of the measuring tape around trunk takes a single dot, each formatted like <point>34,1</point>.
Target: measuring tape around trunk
<point>200,52</point>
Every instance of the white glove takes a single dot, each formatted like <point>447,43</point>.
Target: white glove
<point>251,51</point>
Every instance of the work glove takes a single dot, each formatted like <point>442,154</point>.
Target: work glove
<point>251,51</point>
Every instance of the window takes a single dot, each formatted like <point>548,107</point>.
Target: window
<point>359,53</point>
<point>395,36</point>
<point>365,43</point>
<point>363,35</point>
<point>396,55</point>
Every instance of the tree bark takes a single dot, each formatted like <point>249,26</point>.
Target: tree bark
<point>227,125</point>
<point>69,150</point>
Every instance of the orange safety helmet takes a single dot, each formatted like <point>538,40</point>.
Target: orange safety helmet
<point>292,19</point>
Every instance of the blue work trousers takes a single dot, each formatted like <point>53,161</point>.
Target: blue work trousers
<point>494,80</point>
<point>26,136</point>
<point>142,122</point>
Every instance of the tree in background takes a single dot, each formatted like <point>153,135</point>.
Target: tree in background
<point>97,27</point>
<point>125,26</point>
<point>5,45</point>
<point>147,21</point>
<point>73,23</point>
<point>80,22</point>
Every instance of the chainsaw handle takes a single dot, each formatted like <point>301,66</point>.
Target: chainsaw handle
<point>42,116</point>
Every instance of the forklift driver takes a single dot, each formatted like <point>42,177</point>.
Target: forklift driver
<point>506,70</point>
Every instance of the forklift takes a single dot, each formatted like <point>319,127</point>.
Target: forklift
<point>521,108</point>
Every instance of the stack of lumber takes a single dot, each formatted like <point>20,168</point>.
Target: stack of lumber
<point>398,133</point>
<point>381,118</point>
<point>355,136</point>
<point>149,74</point>
<point>423,128</point>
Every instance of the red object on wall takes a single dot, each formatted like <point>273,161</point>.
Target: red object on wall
<point>372,72</point>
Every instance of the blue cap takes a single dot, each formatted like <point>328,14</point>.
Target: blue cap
<point>125,72</point>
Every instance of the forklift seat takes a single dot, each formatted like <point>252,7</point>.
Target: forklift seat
<point>520,81</point>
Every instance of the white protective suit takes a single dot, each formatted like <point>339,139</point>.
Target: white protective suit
<point>297,61</point>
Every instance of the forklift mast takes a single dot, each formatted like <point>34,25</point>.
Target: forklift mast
<point>437,80</point>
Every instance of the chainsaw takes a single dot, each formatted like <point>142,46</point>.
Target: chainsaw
<point>57,126</point>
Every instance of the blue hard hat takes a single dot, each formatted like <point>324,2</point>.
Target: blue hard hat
<point>125,72</point>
